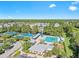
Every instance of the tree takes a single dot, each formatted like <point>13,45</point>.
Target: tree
<point>1,30</point>
<point>12,40</point>
<point>26,46</point>
<point>75,45</point>
<point>59,52</point>
<point>66,43</point>
<point>48,54</point>
<point>5,37</point>
<point>77,38</point>
<point>15,28</point>
<point>69,29</point>
<point>48,30</point>
<point>6,45</point>
<point>54,31</point>
<point>1,50</point>
<point>35,29</point>
<point>59,31</point>
<point>26,38</point>
<point>26,28</point>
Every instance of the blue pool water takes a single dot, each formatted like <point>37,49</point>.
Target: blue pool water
<point>51,39</point>
<point>24,35</point>
<point>19,37</point>
<point>27,34</point>
<point>10,33</point>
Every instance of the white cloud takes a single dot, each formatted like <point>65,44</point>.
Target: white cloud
<point>73,8</point>
<point>76,2</point>
<point>9,17</point>
<point>52,5</point>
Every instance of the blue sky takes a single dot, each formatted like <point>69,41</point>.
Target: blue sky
<point>39,10</point>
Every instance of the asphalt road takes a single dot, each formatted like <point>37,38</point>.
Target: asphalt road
<point>7,54</point>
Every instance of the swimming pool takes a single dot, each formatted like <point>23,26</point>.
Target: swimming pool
<point>10,33</point>
<point>51,39</point>
<point>20,36</point>
<point>27,34</point>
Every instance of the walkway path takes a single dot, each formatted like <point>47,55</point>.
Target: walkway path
<point>7,54</point>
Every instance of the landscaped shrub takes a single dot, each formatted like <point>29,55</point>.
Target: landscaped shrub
<point>26,38</point>
<point>1,50</point>
<point>1,41</point>
<point>6,45</point>
<point>6,36</point>
<point>17,53</point>
<point>12,40</point>
<point>26,46</point>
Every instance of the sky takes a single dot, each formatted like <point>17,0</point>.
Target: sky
<point>39,9</point>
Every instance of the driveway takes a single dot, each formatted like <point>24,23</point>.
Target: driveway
<point>7,54</point>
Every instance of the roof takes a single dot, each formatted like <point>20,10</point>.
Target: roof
<point>39,48</point>
<point>36,36</point>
